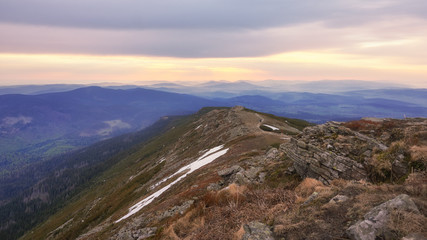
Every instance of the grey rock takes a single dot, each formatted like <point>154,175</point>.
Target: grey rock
<point>272,154</point>
<point>241,179</point>
<point>302,144</point>
<point>330,151</point>
<point>176,210</point>
<point>290,170</point>
<point>230,171</point>
<point>257,231</point>
<point>261,177</point>
<point>338,199</point>
<point>252,172</point>
<point>311,198</point>
<point>415,236</point>
<point>144,233</point>
<point>375,221</point>
<point>213,187</point>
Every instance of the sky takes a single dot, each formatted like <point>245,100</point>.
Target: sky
<point>128,41</point>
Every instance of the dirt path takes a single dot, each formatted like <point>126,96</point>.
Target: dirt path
<point>261,120</point>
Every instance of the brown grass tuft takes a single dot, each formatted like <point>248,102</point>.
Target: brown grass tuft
<point>403,223</point>
<point>239,234</point>
<point>307,187</point>
<point>233,195</point>
<point>185,226</point>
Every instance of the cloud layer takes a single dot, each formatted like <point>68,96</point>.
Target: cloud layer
<point>83,41</point>
<point>196,28</point>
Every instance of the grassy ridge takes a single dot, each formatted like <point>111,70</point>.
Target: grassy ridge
<point>138,160</point>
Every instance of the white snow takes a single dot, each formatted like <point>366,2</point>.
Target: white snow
<point>205,159</point>
<point>161,160</point>
<point>271,127</point>
<point>198,127</point>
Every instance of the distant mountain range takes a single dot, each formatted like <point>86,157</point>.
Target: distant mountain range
<point>44,125</point>
<point>219,88</point>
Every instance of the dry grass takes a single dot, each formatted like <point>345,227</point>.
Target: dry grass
<point>404,223</point>
<point>184,226</point>
<point>221,214</point>
<point>224,212</point>
<point>307,187</point>
<point>239,234</point>
<point>419,152</point>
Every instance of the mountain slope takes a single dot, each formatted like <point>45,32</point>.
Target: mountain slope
<point>34,192</point>
<point>235,173</point>
<point>130,179</point>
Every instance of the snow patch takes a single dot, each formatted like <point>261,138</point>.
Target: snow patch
<point>198,127</point>
<point>271,127</point>
<point>205,159</point>
<point>161,160</point>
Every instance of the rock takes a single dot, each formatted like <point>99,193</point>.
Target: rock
<point>144,233</point>
<point>252,173</point>
<point>176,210</point>
<point>241,179</point>
<point>330,151</point>
<point>310,198</point>
<point>257,231</point>
<point>322,164</point>
<point>261,177</point>
<point>290,170</point>
<point>415,236</point>
<point>135,233</point>
<point>400,168</point>
<point>230,171</point>
<point>375,221</point>
<point>213,187</point>
<point>302,144</point>
<point>338,199</point>
<point>272,154</point>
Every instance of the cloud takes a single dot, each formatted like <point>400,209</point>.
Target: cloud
<point>10,121</point>
<point>201,14</point>
<point>176,43</point>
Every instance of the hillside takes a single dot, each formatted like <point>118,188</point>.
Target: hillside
<point>239,174</point>
<point>34,192</point>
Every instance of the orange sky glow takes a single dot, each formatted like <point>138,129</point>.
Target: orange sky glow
<point>383,41</point>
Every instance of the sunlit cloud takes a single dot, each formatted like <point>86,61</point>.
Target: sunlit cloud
<point>86,41</point>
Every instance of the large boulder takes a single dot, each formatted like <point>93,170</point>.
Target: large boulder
<point>374,225</point>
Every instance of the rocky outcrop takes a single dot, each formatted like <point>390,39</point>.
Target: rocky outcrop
<point>311,161</point>
<point>257,231</point>
<point>330,151</point>
<point>415,236</point>
<point>136,234</point>
<point>239,175</point>
<point>176,210</point>
<point>374,225</point>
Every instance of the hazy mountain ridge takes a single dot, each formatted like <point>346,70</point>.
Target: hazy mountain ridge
<point>48,124</point>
